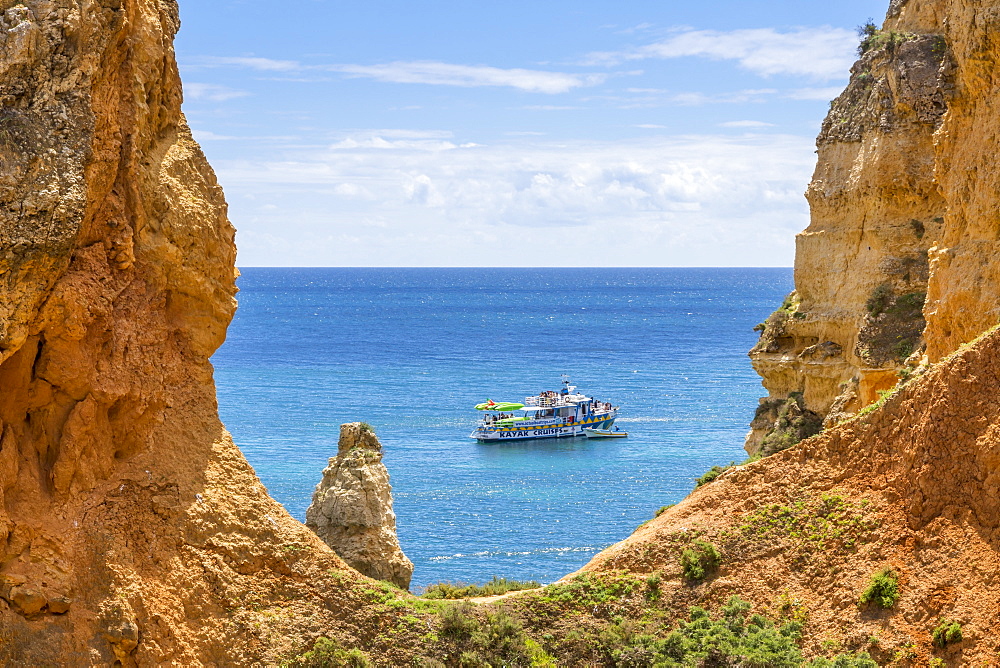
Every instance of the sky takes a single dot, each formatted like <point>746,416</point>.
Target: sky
<point>517,134</point>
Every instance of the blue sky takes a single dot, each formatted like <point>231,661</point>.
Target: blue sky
<point>515,134</point>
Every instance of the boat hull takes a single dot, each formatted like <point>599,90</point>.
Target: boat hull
<point>533,432</point>
<point>602,433</point>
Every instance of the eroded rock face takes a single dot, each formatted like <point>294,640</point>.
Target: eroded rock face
<point>913,486</point>
<point>352,508</point>
<point>898,265</point>
<point>131,528</point>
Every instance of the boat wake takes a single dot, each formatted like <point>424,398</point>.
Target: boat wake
<point>504,553</point>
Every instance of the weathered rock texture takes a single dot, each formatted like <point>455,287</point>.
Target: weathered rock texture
<point>131,528</point>
<point>898,264</point>
<point>351,508</point>
<point>913,486</point>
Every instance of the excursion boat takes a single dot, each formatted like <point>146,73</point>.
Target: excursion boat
<point>548,415</point>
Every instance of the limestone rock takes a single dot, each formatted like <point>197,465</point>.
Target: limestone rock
<point>898,265</point>
<point>118,482</point>
<point>352,508</point>
<point>913,485</point>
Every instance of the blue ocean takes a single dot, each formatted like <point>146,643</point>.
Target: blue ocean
<point>411,351</point>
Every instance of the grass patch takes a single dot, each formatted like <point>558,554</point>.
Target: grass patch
<point>327,653</point>
<point>495,587</point>
<point>653,586</point>
<point>946,633</point>
<point>496,639</point>
<point>700,560</point>
<point>711,474</point>
<point>588,590</point>
<point>873,38</point>
<point>883,398</point>
<point>811,525</point>
<point>882,589</point>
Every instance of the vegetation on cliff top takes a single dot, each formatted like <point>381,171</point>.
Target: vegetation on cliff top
<point>872,38</point>
<point>792,422</point>
<point>495,587</point>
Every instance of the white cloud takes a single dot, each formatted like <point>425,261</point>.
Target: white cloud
<point>641,27</point>
<point>211,92</point>
<point>737,97</point>
<point>447,74</point>
<point>549,107</point>
<point>827,93</point>
<point>702,200</point>
<point>208,135</point>
<point>651,126</point>
<point>820,53</point>
<point>263,64</point>
<point>396,139</point>
<point>353,191</point>
<point>746,124</point>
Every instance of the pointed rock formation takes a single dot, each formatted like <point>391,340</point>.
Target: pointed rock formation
<point>352,508</point>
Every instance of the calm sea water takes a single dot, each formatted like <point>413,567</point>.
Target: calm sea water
<point>411,351</point>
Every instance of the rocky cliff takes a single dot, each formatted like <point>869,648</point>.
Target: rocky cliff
<point>131,528</point>
<point>133,532</point>
<point>912,487</point>
<point>896,268</point>
<point>351,508</point>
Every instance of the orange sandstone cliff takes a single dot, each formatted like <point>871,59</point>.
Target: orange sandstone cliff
<point>131,528</point>
<point>133,531</point>
<point>897,267</point>
<point>913,486</point>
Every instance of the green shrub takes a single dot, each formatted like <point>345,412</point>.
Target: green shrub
<point>946,633</point>
<point>793,422</point>
<point>879,300</point>
<point>882,590</point>
<point>860,660</point>
<point>736,639</point>
<point>495,587</point>
<point>457,621</point>
<point>589,589</point>
<point>664,509</point>
<point>711,474</point>
<point>699,560</point>
<point>327,653</point>
<point>873,38</point>
<point>501,640</point>
<point>653,586</point>
<point>366,428</point>
<point>496,640</point>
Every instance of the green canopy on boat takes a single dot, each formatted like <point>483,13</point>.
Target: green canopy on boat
<point>490,405</point>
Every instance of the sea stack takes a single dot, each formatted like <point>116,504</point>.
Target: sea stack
<point>352,508</point>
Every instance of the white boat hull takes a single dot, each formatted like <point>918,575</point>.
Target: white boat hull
<point>526,432</point>
<point>604,433</point>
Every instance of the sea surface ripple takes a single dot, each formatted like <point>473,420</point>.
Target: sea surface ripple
<point>411,351</point>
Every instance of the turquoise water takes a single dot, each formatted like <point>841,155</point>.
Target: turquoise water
<point>411,351</point>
